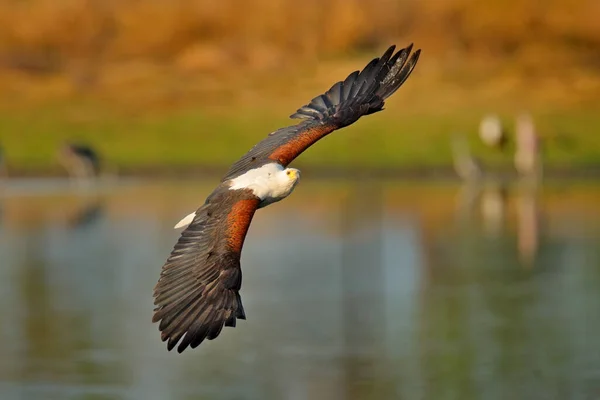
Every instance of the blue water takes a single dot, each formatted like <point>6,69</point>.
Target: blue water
<point>352,289</point>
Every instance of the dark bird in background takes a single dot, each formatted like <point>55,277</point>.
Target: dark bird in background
<point>3,169</point>
<point>198,289</point>
<point>80,161</point>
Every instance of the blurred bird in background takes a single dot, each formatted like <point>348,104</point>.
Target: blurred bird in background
<point>491,131</point>
<point>81,162</point>
<point>468,167</point>
<point>3,168</point>
<point>527,159</point>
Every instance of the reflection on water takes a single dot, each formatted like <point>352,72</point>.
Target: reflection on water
<point>353,290</point>
<point>491,199</point>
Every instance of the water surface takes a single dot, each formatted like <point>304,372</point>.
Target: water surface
<point>353,290</point>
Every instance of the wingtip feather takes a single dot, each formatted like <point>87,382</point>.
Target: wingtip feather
<point>381,77</point>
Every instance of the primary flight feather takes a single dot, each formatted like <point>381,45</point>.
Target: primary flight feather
<point>198,289</point>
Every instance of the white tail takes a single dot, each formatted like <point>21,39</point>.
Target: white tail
<point>185,221</point>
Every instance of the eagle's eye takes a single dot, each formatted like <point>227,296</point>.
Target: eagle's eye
<point>288,173</point>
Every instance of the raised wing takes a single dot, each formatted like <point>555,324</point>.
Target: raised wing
<point>198,290</point>
<point>361,93</point>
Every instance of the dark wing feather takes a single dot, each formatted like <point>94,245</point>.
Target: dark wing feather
<point>361,93</point>
<point>198,290</point>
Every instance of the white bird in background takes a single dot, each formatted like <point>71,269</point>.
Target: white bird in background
<point>491,131</point>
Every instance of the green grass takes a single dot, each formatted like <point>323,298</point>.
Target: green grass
<point>192,138</point>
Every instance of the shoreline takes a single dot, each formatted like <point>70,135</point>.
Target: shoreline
<point>323,173</point>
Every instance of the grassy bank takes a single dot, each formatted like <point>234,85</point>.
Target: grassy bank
<point>188,138</point>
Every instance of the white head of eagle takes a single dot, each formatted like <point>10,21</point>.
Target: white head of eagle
<point>270,183</point>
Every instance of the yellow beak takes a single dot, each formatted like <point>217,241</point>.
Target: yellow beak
<point>293,174</point>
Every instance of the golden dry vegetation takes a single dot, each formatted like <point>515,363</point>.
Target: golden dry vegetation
<point>173,50</point>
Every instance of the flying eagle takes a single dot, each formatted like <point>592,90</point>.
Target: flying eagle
<point>198,289</point>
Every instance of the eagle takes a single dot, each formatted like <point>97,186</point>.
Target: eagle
<point>198,291</point>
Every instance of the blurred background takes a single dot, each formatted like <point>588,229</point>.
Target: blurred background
<point>445,248</point>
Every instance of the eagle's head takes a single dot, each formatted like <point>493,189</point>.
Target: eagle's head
<point>289,178</point>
